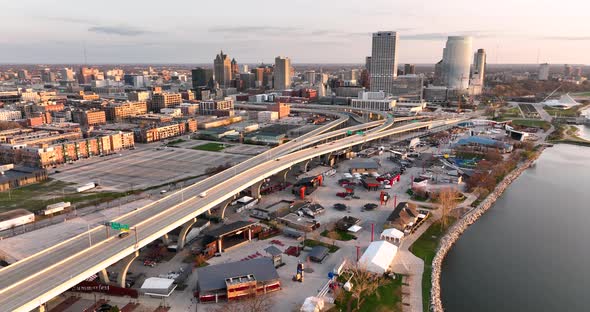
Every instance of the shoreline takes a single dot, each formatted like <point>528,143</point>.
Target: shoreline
<point>457,229</point>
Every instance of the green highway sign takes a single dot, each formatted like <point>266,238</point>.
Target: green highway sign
<point>349,132</point>
<point>119,226</point>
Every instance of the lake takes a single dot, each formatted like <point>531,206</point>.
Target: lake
<point>531,250</point>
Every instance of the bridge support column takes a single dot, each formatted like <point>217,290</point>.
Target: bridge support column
<point>166,239</point>
<point>103,276</point>
<point>184,231</point>
<point>282,176</point>
<point>126,263</point>
<point>304,165</point>
<point>255,189</point>
<point>224,205</point>
<point>43,307</point>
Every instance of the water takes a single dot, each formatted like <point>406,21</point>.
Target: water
<point>531,251</point>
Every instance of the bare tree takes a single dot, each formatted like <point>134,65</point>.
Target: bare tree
<point>253,303</point>
<point>447,198</point>
<point>364,284</point>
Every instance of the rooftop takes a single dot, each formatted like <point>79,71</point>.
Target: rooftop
<point>213,277</point>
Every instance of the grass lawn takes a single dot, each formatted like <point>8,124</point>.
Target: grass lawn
<point>532,123</point>
<point>425,249</point>
<point>570,112</point>
<point>388,297</point>
<point>37,196</point>
<point>313,243</point>
<point>583,94</point>
<point>338,235</point>
<point>175,142</point>
<point>511,112</point>
<point>211,147</point>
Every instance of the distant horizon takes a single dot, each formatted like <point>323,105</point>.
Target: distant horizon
<point>401,64</point>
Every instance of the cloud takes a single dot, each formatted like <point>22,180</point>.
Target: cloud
<point>444,36</point>
<point>118,30</point>
<point>72,20</point>
<point>565,38</point>
<point>253,29</point>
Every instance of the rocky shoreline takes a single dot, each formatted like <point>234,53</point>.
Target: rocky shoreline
<point>455,231</point>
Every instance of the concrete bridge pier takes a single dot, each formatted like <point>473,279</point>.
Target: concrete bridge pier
<point>185,229</point>
<point>43,307</point>
<point>282,176</point>
<point>166,239</point>
<point>126,263</point>
<point>103,276</point>
<point>255,189</point>
<point>304,165</point>
<point>224,205</point>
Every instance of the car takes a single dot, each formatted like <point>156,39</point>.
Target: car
<point>163,192</point>
<point>123,234</point>
<point>202,195</point>
<point>277,159</point>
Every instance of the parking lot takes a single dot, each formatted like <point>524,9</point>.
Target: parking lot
<point>148,165</point>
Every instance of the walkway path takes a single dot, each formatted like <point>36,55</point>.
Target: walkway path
<point>408,264</point>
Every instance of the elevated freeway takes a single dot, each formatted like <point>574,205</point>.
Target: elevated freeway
<point>36,279</point>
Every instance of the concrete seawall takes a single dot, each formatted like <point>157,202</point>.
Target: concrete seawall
<point>455,231</point>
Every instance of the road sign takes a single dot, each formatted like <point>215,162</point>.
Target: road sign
<point>119,226</point>
<point>349,132</point>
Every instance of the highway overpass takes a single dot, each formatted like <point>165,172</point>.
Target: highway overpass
<point>36,279</point>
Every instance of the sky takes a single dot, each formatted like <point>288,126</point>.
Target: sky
<point>308,31</point>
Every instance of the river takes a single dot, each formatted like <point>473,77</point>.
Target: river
<point>531,250</point>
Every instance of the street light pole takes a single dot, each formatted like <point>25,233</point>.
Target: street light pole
<point>89,236</point>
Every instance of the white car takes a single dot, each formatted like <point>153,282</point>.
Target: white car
<point>204,194</point>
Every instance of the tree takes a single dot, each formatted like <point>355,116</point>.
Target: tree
<point>364,283</point>
<point>447,198</point>
<point>253,303</point>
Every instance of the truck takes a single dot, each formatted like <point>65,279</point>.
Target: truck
<point>53,208</point>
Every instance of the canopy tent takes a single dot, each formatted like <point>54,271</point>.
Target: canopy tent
<point>392,234</point>
<point>378,257</point>
<point>156,286</point>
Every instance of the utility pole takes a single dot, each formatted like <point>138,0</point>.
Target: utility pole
<point>89,236</point>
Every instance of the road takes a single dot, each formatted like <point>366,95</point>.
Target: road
<point>34,280</point>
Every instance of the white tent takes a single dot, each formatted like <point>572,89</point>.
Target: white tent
<point>156,286</point>
<point>564,102</point>
<point>378,257</point>
<point>392,234</point>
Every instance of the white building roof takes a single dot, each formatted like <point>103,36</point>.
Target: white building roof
<point>392,233</point>
<point>565,101</point>
<point>355,228</point>
<point>157,283</point>
<point>378,257</point>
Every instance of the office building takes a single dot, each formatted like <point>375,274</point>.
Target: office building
<point>543,72</point>
<point>409,69</point>
<point>383,61</point>
<point>89,117</point>
<point>121,111</point>
<point>223,107</point>
<point>138,96</point>
<point>23,74</point>
<point>479,67</point>
<point>283,109</point>
<point>163,100</point>
<point>67,74</point>
<point>373,101</point>
<point>408,86</point>
<point>368,60</point>
<point>223,69</point>
<point>201,77</point>
<point>282,73</point>
<point>47,76</point>
<point>234,67</point>
<point>136,81</point>
<point>567,70</point>
<point>310,76</point>
<point>456,63</point>
<point>7,114</point>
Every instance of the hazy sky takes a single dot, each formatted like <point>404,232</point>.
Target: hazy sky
<point>308,31</point>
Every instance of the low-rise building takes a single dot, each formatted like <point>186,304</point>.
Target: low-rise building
<point>121,111</point>
<point>373,101</point>
<point>18,176</point>
<point>163,100</point>
<point>89,117</point>
<point>267,116</point>
<point>7,114</point>
<point>223,107</point>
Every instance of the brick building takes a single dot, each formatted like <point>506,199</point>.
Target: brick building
<point>162,100</point>
<point>283,109</point>
<point>89,117</point>
<point>121,111</point>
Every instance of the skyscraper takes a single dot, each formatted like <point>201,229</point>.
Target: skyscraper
<point>235,70</point>
<point>201,77</point>
<point>383,61</point>
<point>282,73</point>
<point>223,69</point>
<point>409,69</point>
<point>457,62</point>
<point>479,67</point>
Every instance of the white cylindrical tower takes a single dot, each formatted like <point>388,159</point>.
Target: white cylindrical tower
<point>457,62</point>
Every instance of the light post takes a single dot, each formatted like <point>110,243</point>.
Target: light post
<point>89,236</point>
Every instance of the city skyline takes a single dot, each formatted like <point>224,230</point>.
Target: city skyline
<point>516,32</point>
